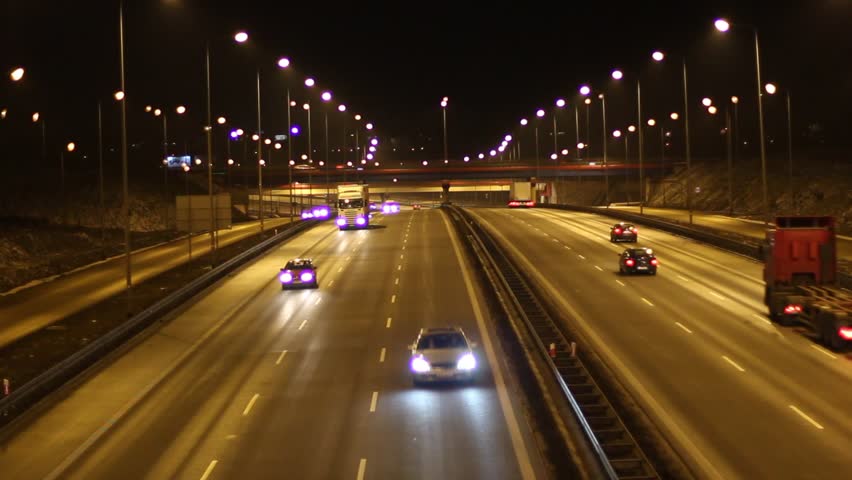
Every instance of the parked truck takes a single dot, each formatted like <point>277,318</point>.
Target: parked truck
<point>353,205</point>
<point>801,278</point>
<point>521,195</point>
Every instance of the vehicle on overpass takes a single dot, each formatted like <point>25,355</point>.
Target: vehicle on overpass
<point>521,195</point>
<point>353,205</point>
<point>623,232</point>
<point>299,273</point>
<point>638,260</point>
<point>442,354</point>
<point>800,273</point>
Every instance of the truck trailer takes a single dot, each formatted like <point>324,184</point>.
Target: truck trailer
<point>353,205</point>
<point>801,279</point>
<point>521,195</point>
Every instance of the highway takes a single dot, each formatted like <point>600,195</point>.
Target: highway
<point>737,396</point>
<point>254,382</point>
<point>24,310</point>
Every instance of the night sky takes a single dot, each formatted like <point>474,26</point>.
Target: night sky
<point>496,62</point>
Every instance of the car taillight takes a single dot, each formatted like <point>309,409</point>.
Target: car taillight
<point>629,262</point>
<point>634,229</point>
<point>618,231</point>
<point>654,262</point>
<point>513,204</point>
<point>845,332</point>
<point>530,204</point>
<point>792,309</point>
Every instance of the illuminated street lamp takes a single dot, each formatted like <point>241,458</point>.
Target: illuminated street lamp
<point>712,110</point>
<point>617,74</point>
<point>326,96</point>
<point>283,62</point>
<point>17,74</point>
<point>180,110</point>
<point>241,37</point>
<point>221,120</point>
<point>674,116</point>
<point>119,95</point>
<point>651,122</point>
<point>658,56</point>
<point>310,82</point>
<point>706,102</point>
<point>585,90</point>
<point>524,121</point>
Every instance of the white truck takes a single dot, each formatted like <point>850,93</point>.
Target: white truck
<point>353,205</point>
<point>521,195</point>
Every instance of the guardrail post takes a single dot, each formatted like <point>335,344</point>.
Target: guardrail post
<point>573,349</point>
<point>552,350</point>
<point>7,387</point>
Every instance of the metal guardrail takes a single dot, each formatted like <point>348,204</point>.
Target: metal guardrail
<point>617,451</point>
<point>33,391</point>
<point>750,249</point>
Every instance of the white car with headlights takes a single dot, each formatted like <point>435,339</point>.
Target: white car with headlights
<point>442,354</point>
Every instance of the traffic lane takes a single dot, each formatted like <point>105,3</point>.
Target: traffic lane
<point>26,311</point>
<point>86,410</point>
<point>441,430</point>
<point>693,314</point>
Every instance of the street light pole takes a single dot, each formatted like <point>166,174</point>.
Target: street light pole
<point>641,153</point>
<point>101,174</point>
<point>290,150</point>
<point>604,141</point>
<point>208,129</point>
<point>688,147</point>
<point>125,203</point>
<point>310,159</point>
<point>793,204</point>
<point>537,164</point>
<point>729,144</point>
<point>444,103</point>
<point>259,150</point>
<point>762,134</point>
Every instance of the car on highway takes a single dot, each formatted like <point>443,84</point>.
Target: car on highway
<point>299,273</point>
<point>623,232</point>
<point>638,260</point>
<point>415,206</point>
<point>442,354</point>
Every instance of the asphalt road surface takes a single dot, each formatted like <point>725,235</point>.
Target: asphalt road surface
<point>737,396</point>
<point>255,382</point>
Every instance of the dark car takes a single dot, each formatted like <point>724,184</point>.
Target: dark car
<point>415,206</point>
<point>638,260</point>
<point>299,273</point>
<point>623,232</point>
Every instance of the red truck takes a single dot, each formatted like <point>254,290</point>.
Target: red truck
<point>801,279</point>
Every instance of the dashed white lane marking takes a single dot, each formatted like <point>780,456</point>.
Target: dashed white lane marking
<point>716,295</point>
<point>349,258</point>
<point>399,267</point>
<point>401,257</point>
<point>330,283</point>
<point>339,269</point>
<point>733,363</point>
<point>382,355</point>
<point>396,282</point>
<point>403,247</point>
<point>303,324</point>
<point>209,470</point>
<point>683,278</point>
<point>809,419</point>
<point>393,299</point>
<point>280,357</point>
<point>556,240</point>
<point>567,247</point>
<point>599,268</point>
<point>762,319</point>
<point>250,404</point>
<point>824,351</point>
<point>318,301</point>
<point>647,301</point>
<point>362,468</point>
<point>620,283</point>
<point>683,327</point>
<point>581,257</point>
<point>389,322</point>
<point>373,402</point>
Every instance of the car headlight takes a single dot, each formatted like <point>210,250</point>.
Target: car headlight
<point>360,221</point>
<point>307,276</point>
<point>341,221</point>
<point>285,277</point>
<point>419,365</point>
<point>466,362</point>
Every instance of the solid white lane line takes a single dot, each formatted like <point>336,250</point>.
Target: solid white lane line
<point>599,268</point>
<point>396,282</point>
<point>683,278</point>
<point>362,468</point>
<point>647,301</point>
<point>393,299</point>
<point>824,351</point>
<point>733,363</point>
<point>389,322</point>
<point>519,446</point>
<point>339,269</point>
<point>373,402</point>
<point>716,295</point>
<point>330,283</point>
<point>318,300</point>
<point>683,327</point>
<point>581,257</point>
<point>303,324</point>
<point>382,355</point>
<point>250,404</point>
<point>280,357</point>
<point>620,283</point>
<point>209,469</point>
<point>762,319</point>
<point>809,419</point>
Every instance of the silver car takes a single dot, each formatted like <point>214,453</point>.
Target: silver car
<point>442,354</point>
